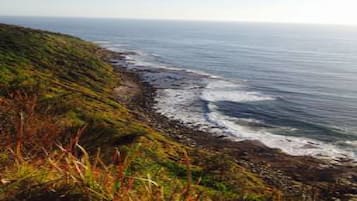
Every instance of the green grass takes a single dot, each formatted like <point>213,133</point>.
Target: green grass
<point>73,86</point>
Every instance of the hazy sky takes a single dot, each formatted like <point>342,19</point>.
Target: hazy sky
<point>305,11</point>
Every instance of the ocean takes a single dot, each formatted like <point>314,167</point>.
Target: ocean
<point>290,86</point>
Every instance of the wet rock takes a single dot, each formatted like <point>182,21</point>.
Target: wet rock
<point>295,176</point>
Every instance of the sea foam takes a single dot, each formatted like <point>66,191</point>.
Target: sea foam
<point>191,97</point>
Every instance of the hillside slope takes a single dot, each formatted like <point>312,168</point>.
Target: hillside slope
<point>58,109</point>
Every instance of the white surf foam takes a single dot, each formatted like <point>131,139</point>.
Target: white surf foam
<point>352,143</point>
<point>142,60</point>
<point>292,145</point>
<point>179,104</point>
<point>182,105</point>
<point>221,90</point>
<point>102,42</point>
<point>185,104</point>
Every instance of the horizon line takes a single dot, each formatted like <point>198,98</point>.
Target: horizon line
<point>180,19</point>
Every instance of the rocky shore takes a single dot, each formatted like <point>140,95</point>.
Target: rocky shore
<point>318,179</point>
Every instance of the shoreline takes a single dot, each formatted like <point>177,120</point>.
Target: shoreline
<point>292,174</point>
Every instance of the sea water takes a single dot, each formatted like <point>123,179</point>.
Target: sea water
<point>290,86</point>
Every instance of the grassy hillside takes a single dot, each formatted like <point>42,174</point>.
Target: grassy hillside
<point>63,136</point>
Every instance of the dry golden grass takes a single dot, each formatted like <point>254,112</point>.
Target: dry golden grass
<point>31,141</point>
<point>56,95</point>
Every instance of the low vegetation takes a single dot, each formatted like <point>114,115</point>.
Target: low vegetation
<point>63,136</point>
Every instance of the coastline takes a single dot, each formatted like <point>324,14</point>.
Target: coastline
<point>115,106</point>
<point>291,174</point>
